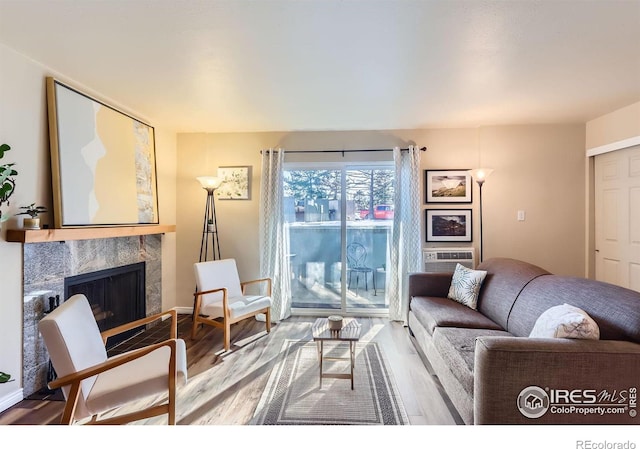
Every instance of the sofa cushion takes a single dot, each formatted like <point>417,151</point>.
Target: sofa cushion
<point>505,280</point>
<point>465,285</point>
<point>456,346</point>
<point>435,312</point>
<point>565,321</point>
<point>615,309</point>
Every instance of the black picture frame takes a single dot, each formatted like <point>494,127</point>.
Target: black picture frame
<point>448,225</point>
<point>440,186</point>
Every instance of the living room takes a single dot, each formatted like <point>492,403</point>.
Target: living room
<point>536,145</point>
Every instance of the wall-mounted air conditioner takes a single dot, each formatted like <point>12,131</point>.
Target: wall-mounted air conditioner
<point>444,260</point>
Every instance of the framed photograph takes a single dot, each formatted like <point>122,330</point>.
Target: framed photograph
<point>448,186</point>
<point>236,184</point>
<point>448,225</point>
<point>103,163</point>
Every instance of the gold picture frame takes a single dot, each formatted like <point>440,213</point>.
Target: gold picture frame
<point>102,161</point>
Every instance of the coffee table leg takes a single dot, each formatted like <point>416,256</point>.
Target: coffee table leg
<point>321,351</point>
<point>352,350</point>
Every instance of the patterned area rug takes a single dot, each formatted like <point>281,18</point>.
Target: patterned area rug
<point>293,396</point>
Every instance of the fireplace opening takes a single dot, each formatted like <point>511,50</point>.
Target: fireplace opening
<point>116,295</point>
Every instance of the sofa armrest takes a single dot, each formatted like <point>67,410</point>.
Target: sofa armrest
<point>429,284</point>
<point>563,381</point>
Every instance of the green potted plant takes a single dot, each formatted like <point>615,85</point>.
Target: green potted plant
<point>7,181</point>
<point>33,211</point>
<point>4,378</point>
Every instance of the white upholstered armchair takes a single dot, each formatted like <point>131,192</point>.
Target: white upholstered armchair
<point>221,299</point>
<point>93,383</point>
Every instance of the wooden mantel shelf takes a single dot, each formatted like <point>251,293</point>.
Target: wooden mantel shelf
<point>59,235</point>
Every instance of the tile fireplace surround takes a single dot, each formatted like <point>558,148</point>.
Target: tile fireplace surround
<point>47,264</point>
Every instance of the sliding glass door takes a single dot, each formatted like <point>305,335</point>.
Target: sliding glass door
<point>340,221</point>
<point>313,213</point>
<point>368,233</point>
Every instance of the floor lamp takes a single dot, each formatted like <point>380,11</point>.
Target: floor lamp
<point>480,175</point>
<point>210,224</point>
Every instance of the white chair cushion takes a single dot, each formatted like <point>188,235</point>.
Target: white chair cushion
<point>74,343</point>
<point>136,379</point>
<point>238,306</point>
<point>217,274</point>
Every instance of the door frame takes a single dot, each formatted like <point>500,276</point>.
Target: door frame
<point>590,209</point>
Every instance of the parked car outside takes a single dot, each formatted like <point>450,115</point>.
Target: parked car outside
<point>380,212</point>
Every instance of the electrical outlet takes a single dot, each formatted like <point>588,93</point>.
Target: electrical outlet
<point>521,215</point>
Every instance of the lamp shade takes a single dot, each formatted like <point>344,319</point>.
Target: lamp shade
<point>209,182</point>
<point>480,174</point>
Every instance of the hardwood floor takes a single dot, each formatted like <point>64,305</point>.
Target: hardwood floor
<point>224,388</point>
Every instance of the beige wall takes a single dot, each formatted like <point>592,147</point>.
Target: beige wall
<point>618,125</point>
<point>23,125</point>
<point>538,168</point>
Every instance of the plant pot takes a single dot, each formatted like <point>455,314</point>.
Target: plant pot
<point>31,223</point>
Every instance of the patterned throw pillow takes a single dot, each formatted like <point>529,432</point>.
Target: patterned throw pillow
<point>565,321</point>
<point>465,285</point>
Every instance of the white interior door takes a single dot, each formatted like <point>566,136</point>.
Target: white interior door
<point>617,220</point>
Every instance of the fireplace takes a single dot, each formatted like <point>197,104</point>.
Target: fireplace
<point>116,296</point>
<point>53,269</point>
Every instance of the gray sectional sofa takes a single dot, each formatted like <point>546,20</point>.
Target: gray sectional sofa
<point>494,373</point>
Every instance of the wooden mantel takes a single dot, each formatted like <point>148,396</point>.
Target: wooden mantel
<point>60,235</point>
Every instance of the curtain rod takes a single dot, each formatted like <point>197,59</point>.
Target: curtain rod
<point>344,151</point>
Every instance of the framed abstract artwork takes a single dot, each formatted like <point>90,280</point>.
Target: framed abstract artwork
<point>103,162</point>
<point>448,225</point>
<point>236,183</point>
<point>448,186</point>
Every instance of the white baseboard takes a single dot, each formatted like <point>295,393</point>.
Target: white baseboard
<point>10,400</point>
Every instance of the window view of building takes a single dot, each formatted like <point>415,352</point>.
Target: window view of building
<point>339,242</point>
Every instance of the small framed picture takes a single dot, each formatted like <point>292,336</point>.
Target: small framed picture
<point>236,184</point>
<point>448,186</point>
<point>448,225</point>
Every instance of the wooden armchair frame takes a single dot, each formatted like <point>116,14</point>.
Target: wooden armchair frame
<point>75,379</point>
<point>227,321</point>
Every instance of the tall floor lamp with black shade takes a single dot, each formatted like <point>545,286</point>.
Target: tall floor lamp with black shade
<point>480,175</point>
<point>210,222</point>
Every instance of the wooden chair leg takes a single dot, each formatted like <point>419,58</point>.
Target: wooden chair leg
<point>70,407</point>
<point>227,336</point>
<point>268,319</point>
<point>194,328</point>
<point>172,405</point>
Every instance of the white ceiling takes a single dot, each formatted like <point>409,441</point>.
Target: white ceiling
<point>263,65</point>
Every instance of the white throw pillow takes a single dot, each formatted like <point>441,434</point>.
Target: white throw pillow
<point>465,285</point>
<point>565,321</point>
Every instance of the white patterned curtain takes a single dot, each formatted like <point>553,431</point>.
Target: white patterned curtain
<point>406,248</point>
<point>274,234</point>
